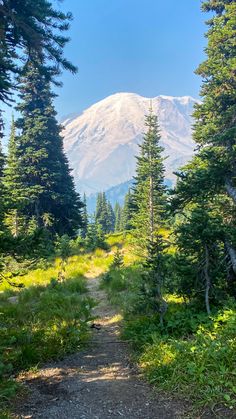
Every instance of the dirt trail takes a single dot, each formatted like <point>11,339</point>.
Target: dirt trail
<point>98,383</point>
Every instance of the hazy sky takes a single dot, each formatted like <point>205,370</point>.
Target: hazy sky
<point>149,47</point>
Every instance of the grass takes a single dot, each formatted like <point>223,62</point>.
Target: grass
<point>47,319</point>
<point>193,357</point>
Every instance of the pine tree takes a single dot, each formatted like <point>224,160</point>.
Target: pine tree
<point>30,28</point>
<point>149,196</point>
<point>148,216</point>
<point>84,218</point>
<point>118,260</point>
<point>127,212</point>
<point>14,188</point>
<point>111,218</point>
<point>104,214</point>
<point>2,194</point>
<point>42,168</point>
<point>215,128</point>
<point>206,186</point>
<point>118,215</point>
<point>95,236</point>
<point>99,205</point>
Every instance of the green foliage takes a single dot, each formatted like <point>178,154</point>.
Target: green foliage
<point>37,176</point>
<point>104,214</point>
<point>147,206</point>
<point>148,198</point>
<point>118,260</point>
<point>45,322</point>
<point>118,217</point>
<point>30,28</point>
<point>63,246</point>
<point>205,194</point>
<point>95,237</point>
<point>84,215</point>
<point>199,368</point>
<point>126,214</point>
<point>193,356</point>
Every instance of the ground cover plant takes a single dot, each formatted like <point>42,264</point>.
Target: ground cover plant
<point>44,315</point>
<point>192,356</point>
<point>44,320</point>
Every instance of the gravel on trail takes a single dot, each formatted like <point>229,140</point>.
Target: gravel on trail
<point>97,383</point>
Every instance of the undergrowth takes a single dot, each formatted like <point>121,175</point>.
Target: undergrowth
<point>45,320</point>
<point>192,356</point>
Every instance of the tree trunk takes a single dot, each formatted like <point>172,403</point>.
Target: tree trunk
<point>37,215</point>
<point>16,224</point>
<point>230,190</point>
<point>151,210</point>
<point>163,309</point>
<point>232,254</point>
<point>162,304</point>
<point>207,280</point>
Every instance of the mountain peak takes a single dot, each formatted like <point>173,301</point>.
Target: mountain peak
<point>102,142</point>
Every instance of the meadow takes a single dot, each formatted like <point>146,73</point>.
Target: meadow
<point>192,357</point>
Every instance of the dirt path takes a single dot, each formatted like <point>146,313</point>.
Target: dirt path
<point>98,383</point>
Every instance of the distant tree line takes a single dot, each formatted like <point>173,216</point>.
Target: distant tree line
<point>105,220</point>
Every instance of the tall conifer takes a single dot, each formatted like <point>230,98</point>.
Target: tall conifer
<point>149,197</point>
<point>43,169</point>
<point>207,184</point>
<point>84,218</point>
<point>127,212</point>
<point>149,206</point>
<point>2,191</point>
<point>15,191</point>
<point>118,215</point>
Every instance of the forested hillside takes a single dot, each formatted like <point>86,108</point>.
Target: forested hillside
<point>161,267</point>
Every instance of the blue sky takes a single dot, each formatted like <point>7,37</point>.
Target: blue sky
<point>149,47</point>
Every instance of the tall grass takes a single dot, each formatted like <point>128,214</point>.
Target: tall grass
<point>193,356</point>
<point>44,320</point>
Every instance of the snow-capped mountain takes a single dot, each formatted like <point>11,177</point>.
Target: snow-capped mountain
<point>102,142</point>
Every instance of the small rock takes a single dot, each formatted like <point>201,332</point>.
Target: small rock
<point>13,300</point>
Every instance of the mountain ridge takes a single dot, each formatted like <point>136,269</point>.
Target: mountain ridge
<point>102,141</point>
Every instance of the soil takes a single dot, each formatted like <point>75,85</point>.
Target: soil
<point>98,383</point>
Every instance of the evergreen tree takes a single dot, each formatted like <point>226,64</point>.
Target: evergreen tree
<point>2,194</point>
<point>154,276</point>
<point>14,188</point>
<point>95,236</point>
<point>200,252</point>
<point>127,212</point>
<point>31,27</point>
<point>149,196</point>
<point>215,128</point>
<point>118,215</point>
<point>99,207</point>
<point>42,168</point>
<point>148,215</point>
<point>104,214</point>
<point>206,186</point>
<point>84,218</point>
<point>118,260</point>
<point>110,218</point>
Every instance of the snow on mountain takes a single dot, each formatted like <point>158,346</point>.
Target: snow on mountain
<point>102,142</point>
